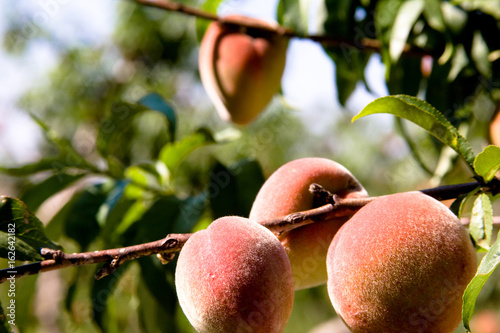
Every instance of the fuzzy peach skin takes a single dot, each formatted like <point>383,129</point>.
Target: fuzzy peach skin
<point>401,264</point>
<point>241,68</point>
<point>235,277</point>
<point>287,191</point>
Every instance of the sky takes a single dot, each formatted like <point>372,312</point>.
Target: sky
<point>308,81</point>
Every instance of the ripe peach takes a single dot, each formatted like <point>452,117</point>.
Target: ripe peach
<point>401,264</point>
<point>235,277</point>
<point>240,68</point>
<point>287,191</point>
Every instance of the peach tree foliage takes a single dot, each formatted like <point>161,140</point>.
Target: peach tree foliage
<point>140,201</point>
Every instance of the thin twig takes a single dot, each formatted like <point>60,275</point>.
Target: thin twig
<point>367,44</point>
<point>112,258</point>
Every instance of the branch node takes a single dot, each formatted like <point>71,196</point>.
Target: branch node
<point>169,243</point>
<point>321,195</point>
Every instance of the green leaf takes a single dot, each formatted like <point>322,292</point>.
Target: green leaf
<point>488,7</point>
<point>485,269</point>
<point>481,222</point>
<point>459,61</point>
<point>141,178</point>
<point>349,70</point>
<point>172,154</point>
<point>22,235</point>
<point>156,102</point>
<point>407,15</point>
<point>487,163</point>
<point>434,15</point>
<point>424,115</point>
<point>37,194</point>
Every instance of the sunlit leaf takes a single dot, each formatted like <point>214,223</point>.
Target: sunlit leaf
<point>481,222</point>
<point>486,268</point>
<point>434,15</point>
<point>172,154</point>
<point>424,115</point>
<point>487,163</point>
<point>407,15</point>
<point>22,235</point>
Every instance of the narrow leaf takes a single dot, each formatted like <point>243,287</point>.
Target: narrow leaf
<point>481,222</point>
<point>486,268</point>
<point>424,115</point>
<point>22,235</point>
<point>407,15</point>
<point>487,163</point>
<point>479,53</point>
<point>434,15</point>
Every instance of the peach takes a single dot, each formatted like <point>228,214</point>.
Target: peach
<point>401,264</point>
<point>235,277</point>
<point>241,68</point>
<point>287,191</point>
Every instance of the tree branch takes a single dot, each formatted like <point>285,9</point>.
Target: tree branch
<point>332,206</point>
<point>112,258</point>
<point>367,44</point>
